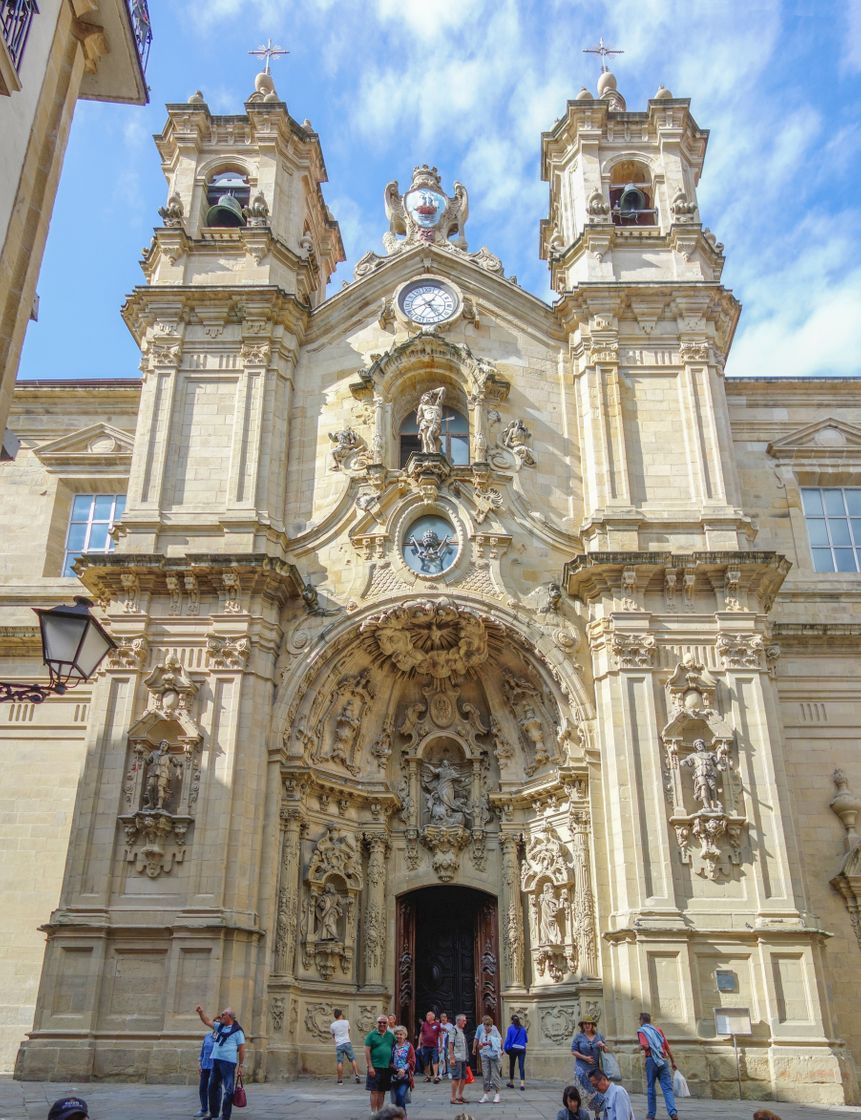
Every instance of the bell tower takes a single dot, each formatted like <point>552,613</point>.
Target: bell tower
<point>623,202</point>
<point>648,322</point>
<point>240,261</point>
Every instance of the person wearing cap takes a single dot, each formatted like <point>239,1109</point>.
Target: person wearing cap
<point>69,1108</point>
<point>586,1046</point>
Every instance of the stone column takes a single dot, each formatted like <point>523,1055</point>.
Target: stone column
<point>288,892</point>
<point>512,911</point>
<point>375,914</point>
<point>378,443</point>
<point>584,902</point>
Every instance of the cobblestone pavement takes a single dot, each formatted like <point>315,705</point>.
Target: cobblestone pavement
<point>319,1099</point>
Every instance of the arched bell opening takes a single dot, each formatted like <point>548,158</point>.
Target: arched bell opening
<point>227,196</point>
<point>632,194</point>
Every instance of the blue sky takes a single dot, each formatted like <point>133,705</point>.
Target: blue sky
<point>469,85</point>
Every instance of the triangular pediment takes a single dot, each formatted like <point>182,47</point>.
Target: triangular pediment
<point>99,448</point>
<point>824,439</point>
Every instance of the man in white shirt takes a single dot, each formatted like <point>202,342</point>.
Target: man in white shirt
<point>617,1103</point>
<point>340,1028</point>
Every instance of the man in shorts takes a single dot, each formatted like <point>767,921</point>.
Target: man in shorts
<point>458,1057</point>
<point>340,1028</point>
<point>378,1060</point>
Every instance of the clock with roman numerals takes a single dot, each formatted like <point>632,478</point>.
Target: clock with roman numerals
<point>427,302</point>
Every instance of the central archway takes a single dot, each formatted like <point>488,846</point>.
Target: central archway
<point>448,955</point>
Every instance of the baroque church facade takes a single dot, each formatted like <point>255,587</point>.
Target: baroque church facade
<point>472,653</point>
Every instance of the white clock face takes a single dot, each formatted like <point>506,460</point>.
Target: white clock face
<point>428,302</point>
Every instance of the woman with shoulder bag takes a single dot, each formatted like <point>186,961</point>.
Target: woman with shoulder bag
<point>403,1068</point>
<point>516,1039</point>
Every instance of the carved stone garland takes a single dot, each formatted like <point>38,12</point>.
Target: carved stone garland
<point>708,828</point>
<point>334,882</point>
<point>163,779</point>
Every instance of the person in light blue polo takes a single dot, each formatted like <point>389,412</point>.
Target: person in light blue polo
<point>228,1058</point>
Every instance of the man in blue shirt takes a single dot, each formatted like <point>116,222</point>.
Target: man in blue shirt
<point>228,1058</point>
<point>617,1103</point>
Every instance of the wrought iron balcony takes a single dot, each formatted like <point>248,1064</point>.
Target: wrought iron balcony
<point>142,29</point>
<point>15,19</point>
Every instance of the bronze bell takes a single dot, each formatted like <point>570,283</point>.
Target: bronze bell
<point>225,212</point>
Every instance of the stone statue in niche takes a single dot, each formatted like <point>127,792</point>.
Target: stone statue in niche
<point>705,765</point>
<point>346,729</point>
<point>446,808</point>
<point>162,772</point>
<point>523,698</point>
<point>328,911</point>
<point>547,910</point>
<point>429,420</point>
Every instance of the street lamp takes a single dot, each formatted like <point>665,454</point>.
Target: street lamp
<point>73,647</point>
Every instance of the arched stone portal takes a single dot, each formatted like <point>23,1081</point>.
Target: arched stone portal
<point>432,746</point>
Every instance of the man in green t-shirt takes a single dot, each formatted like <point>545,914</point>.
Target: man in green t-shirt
<point>378,1060</point>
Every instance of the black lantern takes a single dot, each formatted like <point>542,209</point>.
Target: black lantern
<point>73,647</point>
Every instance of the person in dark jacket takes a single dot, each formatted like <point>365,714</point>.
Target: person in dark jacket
<point>572,1105</point>
<point>515,1047</point>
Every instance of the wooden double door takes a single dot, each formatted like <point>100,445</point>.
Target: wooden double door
<point>448,955</point>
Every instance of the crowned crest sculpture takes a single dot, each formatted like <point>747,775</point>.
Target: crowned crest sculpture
<point>425,213</point>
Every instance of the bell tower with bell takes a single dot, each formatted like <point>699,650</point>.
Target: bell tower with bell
<point>649,324</point>
<point>240,261</point>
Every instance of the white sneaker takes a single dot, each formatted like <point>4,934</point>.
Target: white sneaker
<point>484,1099</point>
<point>497,1099</point>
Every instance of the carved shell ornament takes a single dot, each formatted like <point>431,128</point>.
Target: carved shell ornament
<point>435,639</point>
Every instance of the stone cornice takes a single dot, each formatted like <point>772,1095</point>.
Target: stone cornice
<point>108,577</point>
<point>595,574</point>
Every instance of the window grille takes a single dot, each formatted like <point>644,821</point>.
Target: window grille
<point>15,19</point>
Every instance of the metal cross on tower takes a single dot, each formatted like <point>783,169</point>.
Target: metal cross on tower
<point>268,52</point>
<point>603,50</point>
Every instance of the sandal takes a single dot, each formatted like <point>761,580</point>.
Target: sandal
<point>436,1081</point>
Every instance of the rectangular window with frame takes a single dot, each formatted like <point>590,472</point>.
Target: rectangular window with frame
<point>90,523</point>
<point>833,516</point>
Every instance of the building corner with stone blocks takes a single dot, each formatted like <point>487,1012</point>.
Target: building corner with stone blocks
<point>473,653</point>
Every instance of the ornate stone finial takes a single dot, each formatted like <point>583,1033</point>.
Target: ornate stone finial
<point>846,806</point>
<point>197,98</point>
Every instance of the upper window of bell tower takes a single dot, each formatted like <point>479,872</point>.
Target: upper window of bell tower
<point>227,196</point>
<point>632,194</point>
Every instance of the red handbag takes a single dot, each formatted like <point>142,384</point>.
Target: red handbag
<point>470,1076</point>
<point>240,1098</point>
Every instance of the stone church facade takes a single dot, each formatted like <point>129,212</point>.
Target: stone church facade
<point>472,653</point>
